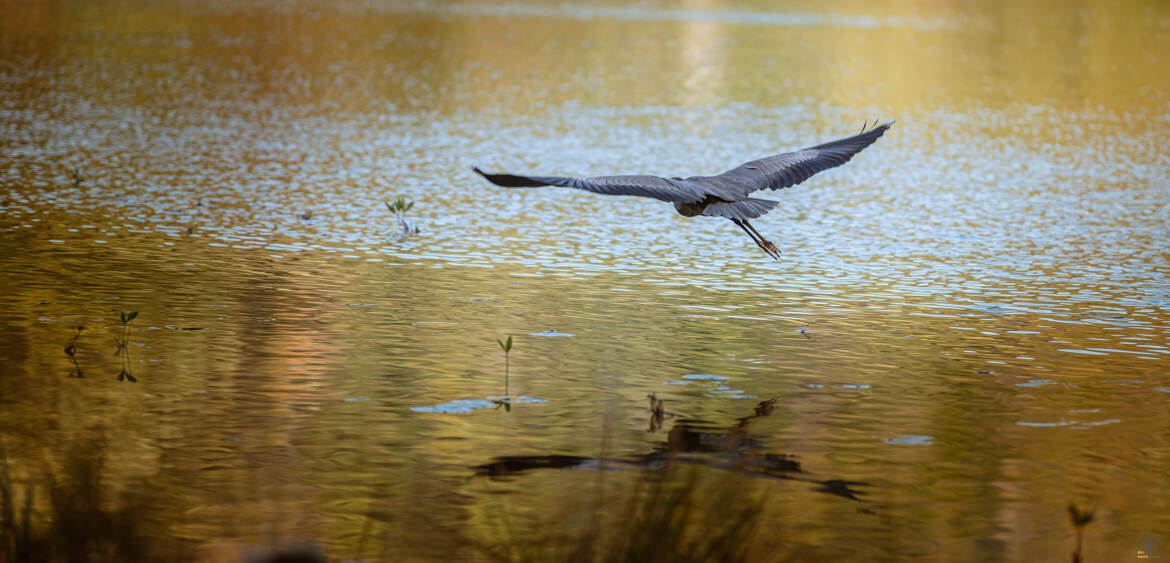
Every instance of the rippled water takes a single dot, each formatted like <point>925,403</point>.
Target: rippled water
<point>969,322</point>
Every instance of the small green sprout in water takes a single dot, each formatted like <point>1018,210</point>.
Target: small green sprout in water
<point>198,214</point>
<point>399,207</point>
<point>71,351</point>
<point>71,347</point>
<point>506,346</point>
<point>657,411</point>
<point>1079,519</point>
<point>123,346</point>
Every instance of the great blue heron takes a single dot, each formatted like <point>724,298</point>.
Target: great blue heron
<point>725,195</point>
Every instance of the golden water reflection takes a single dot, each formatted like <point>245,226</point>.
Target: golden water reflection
<point>969,320</point>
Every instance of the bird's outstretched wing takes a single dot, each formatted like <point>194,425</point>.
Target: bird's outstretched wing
<point>646,186</point>
<point>788,169</point>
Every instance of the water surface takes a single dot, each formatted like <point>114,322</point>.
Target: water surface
<point>969,322</point>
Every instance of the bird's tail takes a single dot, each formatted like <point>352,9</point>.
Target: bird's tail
<point>747,209</point>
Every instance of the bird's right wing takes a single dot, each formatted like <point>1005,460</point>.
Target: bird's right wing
<point>645,186</point>
<point>788,169</point>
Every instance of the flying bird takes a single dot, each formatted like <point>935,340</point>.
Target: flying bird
<point>726,195</point>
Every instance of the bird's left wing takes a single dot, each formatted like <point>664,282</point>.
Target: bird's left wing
<point>664,189</point>
<point>788,169</point>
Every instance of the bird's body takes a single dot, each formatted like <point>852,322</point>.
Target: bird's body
<point>725,195</point>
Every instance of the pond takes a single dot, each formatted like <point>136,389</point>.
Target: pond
<point>967,330</point>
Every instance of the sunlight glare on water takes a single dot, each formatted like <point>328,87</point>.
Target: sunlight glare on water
<point>967,330</point>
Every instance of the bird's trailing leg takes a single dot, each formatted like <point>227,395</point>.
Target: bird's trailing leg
<point>767,244</point>
<point>743,225</point>
<point>757,238</point>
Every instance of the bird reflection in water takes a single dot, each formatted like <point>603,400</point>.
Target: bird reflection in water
<point>691,442</point>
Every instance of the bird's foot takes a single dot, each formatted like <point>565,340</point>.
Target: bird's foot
<point>771,249</point>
